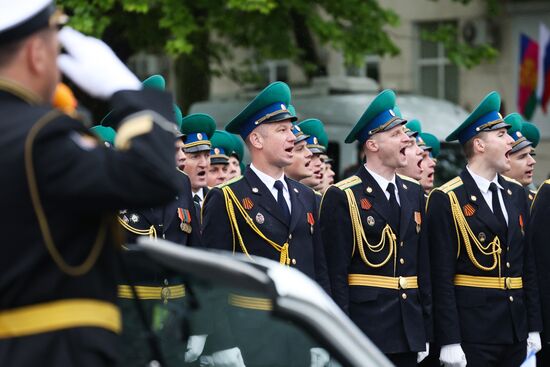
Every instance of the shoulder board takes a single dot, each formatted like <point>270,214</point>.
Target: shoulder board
<point>511,180</point>
<point>407,178</point>
<point>348,182</point>
<point>451,185</point>
<point>547,182</point>
<point>234,179</point>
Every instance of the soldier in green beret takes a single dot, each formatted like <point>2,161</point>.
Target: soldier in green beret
<point>316,143</point>
<point>522,162</point>
<point>413,152</point>
<point>222,144</point>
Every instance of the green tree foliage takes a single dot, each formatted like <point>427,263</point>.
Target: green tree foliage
<point>203,34</point>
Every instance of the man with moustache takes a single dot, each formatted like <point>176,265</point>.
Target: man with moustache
<point>197,128</point>
<point>485,294</point>
<point>429,160</point>
<point>376,253</point>
<point>522,162</point>
<point>275,216</point>
<point>62,185</point>
<point>316,143</point>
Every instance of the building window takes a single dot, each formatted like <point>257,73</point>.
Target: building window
<point>274,70</point>
<point>437,76</point>
<point>370,68</point>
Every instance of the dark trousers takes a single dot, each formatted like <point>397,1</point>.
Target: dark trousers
<point>497,355</point>
<point>403,359</point>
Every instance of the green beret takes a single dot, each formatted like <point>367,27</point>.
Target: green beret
<point>238,147</point>
<point>198,128</point>
<point>105,133</point>
<point>317,141</point>
<point>531,132</point>
<point>485,117</point>
<point>433,142</point>
<point>378,117</point>
<point>270,105</point>
<point>516,124</point>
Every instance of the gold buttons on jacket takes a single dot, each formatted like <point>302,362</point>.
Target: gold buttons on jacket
<point>508,265</point>
<point>511,299</point>
<point>293,261</point>
<point>290,236</point>
<point>401,261</point>
<point>404,295</point>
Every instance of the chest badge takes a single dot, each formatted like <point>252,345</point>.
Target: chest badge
<point>370,220</point>
<point>481,237</point>
<point>185,218</point>
<point>247,203</point>
<point>468,210</point>
<point>418,221</point>
<point>260,218</point>
<point>369,189</point>
<point>311,221</point>
<point>365,204</point>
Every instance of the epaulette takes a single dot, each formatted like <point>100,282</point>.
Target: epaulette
<point>509,179</point>
<point>407,178</point>
<point>234,179</point>
<point>348,182</point>
<point>450,185</point>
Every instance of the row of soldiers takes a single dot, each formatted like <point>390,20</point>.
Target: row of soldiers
<point>458,276</point>
<point>366,239</point>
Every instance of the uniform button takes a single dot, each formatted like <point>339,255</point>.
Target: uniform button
<point>511,299</point>
<point>507,264</point>
<point>401,244</point>
<point>404,295</point>
<point>293,261</point>
<point>401,261</point>
<point>290,236</point>
<point>508,248</point>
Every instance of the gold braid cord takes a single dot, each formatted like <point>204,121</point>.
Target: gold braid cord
<point>231,202</point>
<point>151,232</point>
<point>359,237</point>
<point>464,231</point>
<point>91,258</point>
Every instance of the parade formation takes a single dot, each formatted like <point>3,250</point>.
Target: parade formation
<point>455,275</point>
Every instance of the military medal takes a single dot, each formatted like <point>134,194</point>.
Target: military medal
<point>311,221</point>
<point>468,210</point>
<point>370,220</point>
<point>365,204</point>
<point>418,221</point>
<point>521,224</point>
<point>260,218</point>
<point>185,218</point>
<point>247,203</point>
<point>481,237</point>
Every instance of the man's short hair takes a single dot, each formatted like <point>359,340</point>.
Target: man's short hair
<point>8,52</point>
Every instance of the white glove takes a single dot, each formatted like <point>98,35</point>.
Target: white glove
<point>421,355</point>
<point>319,357</point>
<point>533,342</point>
<point>93,66</point>
<point>452,355</point>
<point>195,345</point>
<point>228,358</point>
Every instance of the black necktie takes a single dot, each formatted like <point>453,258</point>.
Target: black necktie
<point>395,209</point>
<point>197,199</point>
<point>497,210</point>
<point>281,201</point>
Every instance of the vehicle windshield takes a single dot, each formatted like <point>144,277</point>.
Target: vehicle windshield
<point>202,322</point>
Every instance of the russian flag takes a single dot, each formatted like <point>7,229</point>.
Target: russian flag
<point>528,67</point>
<point>543,88</point>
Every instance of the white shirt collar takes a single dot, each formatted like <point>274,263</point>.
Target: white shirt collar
<point>483,183</point>
<point>381,181</point>
<point>200,193</point>
<point>268,181</point>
